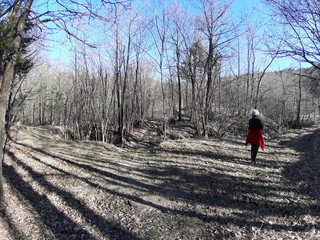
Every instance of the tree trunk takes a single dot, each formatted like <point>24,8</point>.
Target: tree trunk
<point>124,88</point>
<point>209,69</point>
<point>7,78</point>
<point>4,96</point>
<point>179,83</point>
<point>299,101</point>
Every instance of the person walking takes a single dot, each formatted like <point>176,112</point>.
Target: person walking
<point>254,136</point>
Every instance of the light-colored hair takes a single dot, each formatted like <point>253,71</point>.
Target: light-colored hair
<point>255,112</point>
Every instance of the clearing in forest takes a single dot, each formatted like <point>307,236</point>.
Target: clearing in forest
<point>179,189</point>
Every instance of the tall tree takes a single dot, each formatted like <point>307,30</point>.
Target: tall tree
<point>13,19</point>
<point>218,31</point>
<point>159,34</point>
<point>178,29</point>
<point>298,31</point>
<point>14,15</point>
<point>193,71</point>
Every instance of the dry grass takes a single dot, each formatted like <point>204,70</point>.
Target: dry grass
<point>181,189</point>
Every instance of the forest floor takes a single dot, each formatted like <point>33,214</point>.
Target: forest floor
<point>177,189</point>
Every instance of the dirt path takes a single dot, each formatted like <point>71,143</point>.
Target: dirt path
<point>183,189</point>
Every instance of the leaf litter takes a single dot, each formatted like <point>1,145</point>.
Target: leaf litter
<point>178,189</point>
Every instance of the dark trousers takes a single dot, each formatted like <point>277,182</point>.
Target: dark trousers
<point>254,152</point>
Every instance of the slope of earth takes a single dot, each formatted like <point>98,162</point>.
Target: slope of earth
<point>181,189</point>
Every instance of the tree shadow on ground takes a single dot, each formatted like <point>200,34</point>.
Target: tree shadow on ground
<point>59,224</point>
<point>207,185</point>
<point>186,183</point>
<point>11,232</point>
<point>305,174</point>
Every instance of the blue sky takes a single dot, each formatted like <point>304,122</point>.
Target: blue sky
<point>60,52</point>
<point>246,6</point>
<point>255,9</point>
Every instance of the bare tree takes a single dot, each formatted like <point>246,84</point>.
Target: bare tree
<point>16,13</point>
<point>158,31</point>
<point>298,31</point>
<point>178,29</point>
<point>218,31</point>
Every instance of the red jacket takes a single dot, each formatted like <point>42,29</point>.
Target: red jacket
<point>255,137</point>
